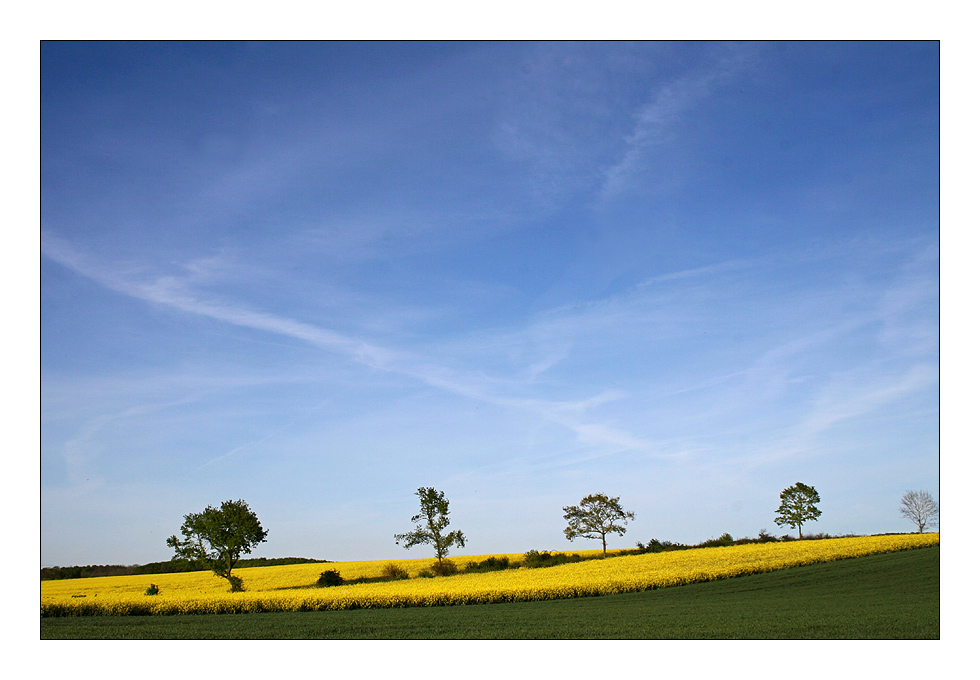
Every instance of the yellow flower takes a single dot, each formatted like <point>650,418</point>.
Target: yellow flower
<point>290,587</point>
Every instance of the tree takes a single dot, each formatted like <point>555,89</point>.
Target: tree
<point>595,518</point>
<point>433,518</point>
<point>218,537</point>
<point>919,507</point>
<point>799,505</point>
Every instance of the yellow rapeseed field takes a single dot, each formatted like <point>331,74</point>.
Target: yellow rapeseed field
<point>290,587</point>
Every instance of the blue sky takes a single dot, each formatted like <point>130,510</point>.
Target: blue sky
<point>317,276</point>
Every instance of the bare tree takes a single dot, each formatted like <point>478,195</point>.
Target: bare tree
<point>920,508</point>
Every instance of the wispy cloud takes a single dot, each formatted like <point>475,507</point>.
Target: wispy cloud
<point>708,270</point>
<point>81,449</point>
<point>656,121</point>
<point>174,292</point>
<point>859,394</point>
<point>787,365</point>
<point>177,293</point>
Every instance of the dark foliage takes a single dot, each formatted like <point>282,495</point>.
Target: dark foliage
<point>331,577</point>
<point>168,567</point>
<point>535,560</point>
<point>444,568</point>
<point>489,564</point>
<point>722,541</point>
<point>798,504</point>
<point>392,572</point>
<point>655,546</point>
<point>219,537</point>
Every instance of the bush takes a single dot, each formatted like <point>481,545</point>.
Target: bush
<point>393,572</point>
<point>426,573</point>
<point>331,577</point>
<point>536,560</point>
<point>489,564</point>
<point>724,540</point>
<point>655,546</point>
<point>152,590</point>
<point>444,568</point>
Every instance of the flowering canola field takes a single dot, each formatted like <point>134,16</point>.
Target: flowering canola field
<point>290,587</point>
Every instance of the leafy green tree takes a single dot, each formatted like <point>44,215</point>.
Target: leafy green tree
<point>798,505</point>
<point>595,517</point>
<point>218,537</point>
<point>432,519</point>
<point>920,508</point>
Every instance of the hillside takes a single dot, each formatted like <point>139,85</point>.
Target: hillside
<point>168,567</point>
<point>885,596</point>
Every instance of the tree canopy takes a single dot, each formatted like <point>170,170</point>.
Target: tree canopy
<point>798,505</point>
<point>433,518</point>
<point>595,517</point>
<point>218,537</point>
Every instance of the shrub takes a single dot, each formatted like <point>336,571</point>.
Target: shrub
<point>331,577</point>
<point>444,568</point>
<point>489,564</point>
<point>724,540</point>
<point>655,546</point>
<point>393,572</point>
<point>426,573</point>
<point>153,589</point>
<point>536,560</point>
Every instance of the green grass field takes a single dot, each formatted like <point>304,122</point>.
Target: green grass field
<point>888,596</point>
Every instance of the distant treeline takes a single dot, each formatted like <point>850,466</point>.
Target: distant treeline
<point>726,539</point>
<point>168,567</point>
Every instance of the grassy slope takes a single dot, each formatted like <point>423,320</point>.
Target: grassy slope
<point>890,596</point>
